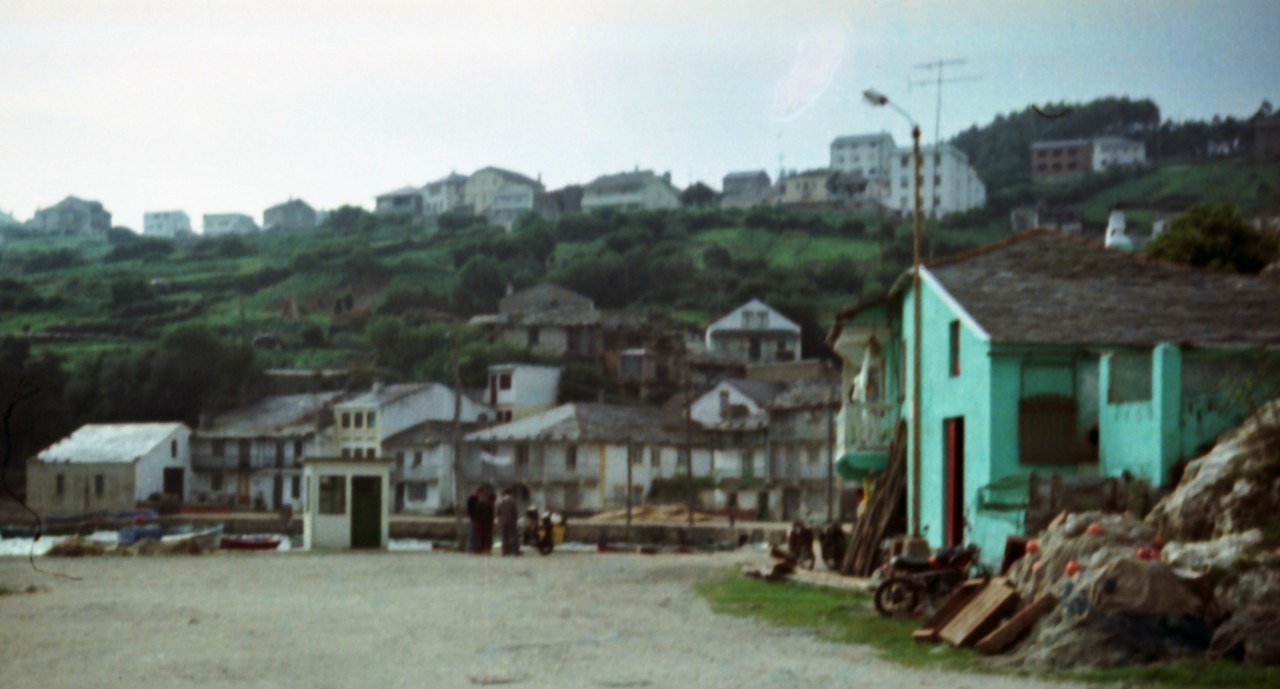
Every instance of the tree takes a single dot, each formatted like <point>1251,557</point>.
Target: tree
<point>351,220</point>
<point>698,195</point>
<point>480,285</point>
<point>1215,237</point>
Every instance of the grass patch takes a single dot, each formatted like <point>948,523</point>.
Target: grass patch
<point>849,617</point>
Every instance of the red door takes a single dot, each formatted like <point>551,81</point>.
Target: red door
<point>953,433</point>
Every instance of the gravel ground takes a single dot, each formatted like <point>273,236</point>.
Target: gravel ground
<point>410,620</point>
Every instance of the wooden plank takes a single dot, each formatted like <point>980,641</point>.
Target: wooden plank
<point>1009,632</point>
<point>956,602</point>
<point>981,615</point>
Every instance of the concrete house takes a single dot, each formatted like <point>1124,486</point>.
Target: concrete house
<point>362,424</point>
<point>509,203</point>
<point>405,203</point>
<point>754,332</point>
<point>294,214</point>
<point>948,183</point>
<point>1048,355</point>
<point>479,190</point>
<point>519,390</point>
<point>253,455</point>
<point>868,155</point>
<point>771,446</point>
<point>110,467</point>
<point>422,476</point>
<point>168,224</point>
<point>73,216</point>
<point>631,191</point>
<point>745,189</point>
<point>575,457</point>
<point>218,224</point>
<point>443,195</point>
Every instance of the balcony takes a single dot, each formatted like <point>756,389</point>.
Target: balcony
<point>868,426</point>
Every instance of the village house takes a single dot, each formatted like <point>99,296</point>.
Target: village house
<point>218,224</point>
<point>948,183</point>
<point>746,189</point>
<point>110,467</point>
<point>167,224</point>
<point>422,475</point>
<point>294,214</point>
<point>480,189</point>
<point>405,203</point>
<point>1047,355</point>
<point>548,320</point>
<point>509,203</point>
<point>443,195</point>
<point>72,216</point>
<point>519,390</point>
<point>772,447</point>
<point>1069,158</point>
<point>869,156</point>
<point>754,332</point>
<point>575,457</point>
<point>631,191</point>
<point>363,423</point>
<point>252,455</point>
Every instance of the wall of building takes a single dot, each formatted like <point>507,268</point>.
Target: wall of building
<point>79,488</point>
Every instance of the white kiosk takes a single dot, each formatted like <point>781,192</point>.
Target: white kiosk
<point>347,504</point>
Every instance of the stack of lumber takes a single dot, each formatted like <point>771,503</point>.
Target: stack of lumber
<point>984,614</point>
<point>864,552</point>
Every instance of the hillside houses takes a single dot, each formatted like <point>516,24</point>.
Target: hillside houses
<point>294,214</point>
<point>631,191</point>
<point>72,216</point>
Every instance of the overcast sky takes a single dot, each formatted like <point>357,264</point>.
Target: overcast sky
<point>234,105</point>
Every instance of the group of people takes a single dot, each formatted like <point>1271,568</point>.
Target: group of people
<point>482,509</point>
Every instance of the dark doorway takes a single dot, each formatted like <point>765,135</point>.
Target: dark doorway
<point>754,349</point>
<point>790,504</point>
<point>762,506</point>
<point>366,512</point>
<point>277,492</point>
<point>173,479</point>
<point>953,437</point>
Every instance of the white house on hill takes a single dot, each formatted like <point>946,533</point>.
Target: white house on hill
<point>755,332</point>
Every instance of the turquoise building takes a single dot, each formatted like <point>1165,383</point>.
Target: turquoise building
<point>1049,355</point>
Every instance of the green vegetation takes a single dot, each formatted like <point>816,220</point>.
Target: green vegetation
<point>1217,238</point>
<point>849,617</point>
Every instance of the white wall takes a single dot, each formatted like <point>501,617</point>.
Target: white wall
<point>333,531</point>
<point>706,409</point>
<point>150,467</point>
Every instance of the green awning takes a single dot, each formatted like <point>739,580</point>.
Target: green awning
<point>857,465</point>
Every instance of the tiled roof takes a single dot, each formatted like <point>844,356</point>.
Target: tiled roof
<point>1044,286</point>
<point>582,422</point>
<point>114,443</point>
<point>277,415</point>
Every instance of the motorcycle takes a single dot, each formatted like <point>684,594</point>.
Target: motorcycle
<point>543,532</point>
<point>934,578</point>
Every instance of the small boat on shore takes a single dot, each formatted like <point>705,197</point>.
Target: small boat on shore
<point>250,543</point>
<point>207,539</point>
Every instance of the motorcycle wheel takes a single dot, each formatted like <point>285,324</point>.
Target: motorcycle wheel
<point>897,596</point>
<point>545,548</point>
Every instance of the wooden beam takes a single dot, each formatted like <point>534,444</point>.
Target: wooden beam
<point>956,602</point>
<point>1008,633</point>
<point>981,615</point>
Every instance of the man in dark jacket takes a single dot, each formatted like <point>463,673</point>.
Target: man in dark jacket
<point>473,531</point>
<point>508,518</point>
<point>484,524</point>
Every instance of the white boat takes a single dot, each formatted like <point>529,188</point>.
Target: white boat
<point>208,539</point>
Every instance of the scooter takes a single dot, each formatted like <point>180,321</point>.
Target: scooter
<point>543,532</point>
<point>934,578</point>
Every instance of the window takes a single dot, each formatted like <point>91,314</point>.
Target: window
<point>534,336</point>
<point>333,495</point>
<point>655,458</point>
<point>219,448</point>
<point>637,455</point>
<point>346,419</point>
<point>762,319</point>
<point>346,453</point>
<point>748,463</point>
<point>295,490</point>
<point>215,482</point>
<point>279,454</point>
<point>417,458</point>
<point>571,458</point>
<point>905,160</point>
<point>297,449</point>
<point>373,419</point>
<point>504,381</point>
<point>953,347</point>
<point>60,484</point>
<point>173,449</point>
<point>418,491</point>
<point>814,456</point>
<point>359,420</point>
<point>522,457</point>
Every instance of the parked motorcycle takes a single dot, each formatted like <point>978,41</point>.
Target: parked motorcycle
<point>934,578</point>
<point>543,531</point>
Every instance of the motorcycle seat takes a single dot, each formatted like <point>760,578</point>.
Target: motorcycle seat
<point>911,564</point>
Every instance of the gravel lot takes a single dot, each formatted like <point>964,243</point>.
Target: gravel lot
<point>409,620</point>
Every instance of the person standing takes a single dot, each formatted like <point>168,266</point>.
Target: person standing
<point>484,524</point>
<point>473,525</point>
<point>508,519</point>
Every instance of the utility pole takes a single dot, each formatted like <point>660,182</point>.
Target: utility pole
<point>458,500</point>
<point>688,439</point>
<point>831,457</point>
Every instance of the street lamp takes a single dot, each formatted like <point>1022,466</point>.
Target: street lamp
<point>878,99</point>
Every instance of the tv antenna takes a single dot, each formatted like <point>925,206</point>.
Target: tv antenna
<point>938,80</point>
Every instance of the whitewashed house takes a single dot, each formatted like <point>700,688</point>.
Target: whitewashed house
<point>363,423</point>
<point>519,390</point>
<point>631,191</point>
<point>110,467</point>
<point>218,224</point>
<point>168,224</point>
<point>948,183</point>
<point>1113,152</point>
<point>423,475</point>
<point>443,195</point>
<point>869,155</point>
<point>754,332</point>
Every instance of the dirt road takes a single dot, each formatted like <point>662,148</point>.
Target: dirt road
<point>409,620</point>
